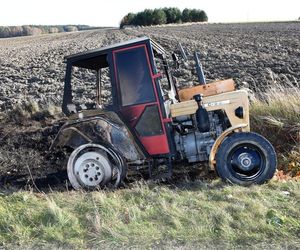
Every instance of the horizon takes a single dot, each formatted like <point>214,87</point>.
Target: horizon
<point>95,13</point>
<point>78,24</point>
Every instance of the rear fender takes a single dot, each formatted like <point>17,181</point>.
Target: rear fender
<point>100,129</point>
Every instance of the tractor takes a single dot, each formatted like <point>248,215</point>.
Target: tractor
<point>150,126</point>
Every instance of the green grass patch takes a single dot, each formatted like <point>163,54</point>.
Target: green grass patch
<point>154,216</point>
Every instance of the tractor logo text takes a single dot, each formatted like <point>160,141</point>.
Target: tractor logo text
<point>213,104</point>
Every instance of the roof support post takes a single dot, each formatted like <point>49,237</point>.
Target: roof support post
<point>99,102</point>
<point>67,97</point>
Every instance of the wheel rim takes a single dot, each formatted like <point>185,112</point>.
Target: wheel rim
<point>246,162</point>
<point>92,168</point>
<point>93,165</point>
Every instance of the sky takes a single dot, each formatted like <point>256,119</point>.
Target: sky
<point>110,12</point>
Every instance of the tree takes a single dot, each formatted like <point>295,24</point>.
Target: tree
<point>148,17</point>
<point>162,16</point>
<point>203,16</point>
<point>27,30</point>
<point>194,15</point>
<point>4,31</point>
<point>173,15</point>
<point>70,28</point>
<point>127,20</point>
<point>53,30</point>
<point>186,15</point>
<point>159,17</point>
<point>198,16</point>
<point>139,19</point>
<point>16,31</point>
<point>144,17</point>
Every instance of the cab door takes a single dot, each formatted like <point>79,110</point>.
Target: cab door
<point>138,98</point>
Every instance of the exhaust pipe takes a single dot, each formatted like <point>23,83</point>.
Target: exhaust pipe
<point>182,52</point>
<point>200,73</point>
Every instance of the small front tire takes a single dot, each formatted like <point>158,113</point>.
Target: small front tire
<point>246,158</point>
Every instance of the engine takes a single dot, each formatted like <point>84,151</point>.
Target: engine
<point>193,145</point>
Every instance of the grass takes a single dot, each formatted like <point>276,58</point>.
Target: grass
<point>275,114</point>
<point>278,106</point>
<point>192,214</point>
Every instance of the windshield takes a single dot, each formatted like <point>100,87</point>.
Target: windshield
<point>168,87</point>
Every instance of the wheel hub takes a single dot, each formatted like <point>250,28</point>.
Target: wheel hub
<point>92,169</point>
<point>91,172</point>
<point>245,161</point>
<point>95,165</point>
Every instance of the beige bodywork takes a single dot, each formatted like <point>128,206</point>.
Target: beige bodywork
<point>228,102</point>
<point>214,88</point>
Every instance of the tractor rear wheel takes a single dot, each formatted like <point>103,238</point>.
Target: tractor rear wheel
<point>93,166</point>
<point>246,158</point>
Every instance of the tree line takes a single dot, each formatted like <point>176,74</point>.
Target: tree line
<point>163,16</point>
<point>31,30</point>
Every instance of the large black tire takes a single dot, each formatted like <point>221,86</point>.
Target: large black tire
<point>246,158</point>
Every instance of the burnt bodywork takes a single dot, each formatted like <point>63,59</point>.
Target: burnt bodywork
<point>99,127</point>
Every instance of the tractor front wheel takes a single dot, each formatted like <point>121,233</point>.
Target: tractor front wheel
<point>246,158</point>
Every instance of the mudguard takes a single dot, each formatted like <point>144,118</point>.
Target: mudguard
<point>98,127</point>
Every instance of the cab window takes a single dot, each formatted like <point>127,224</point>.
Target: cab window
<point>134,77</point>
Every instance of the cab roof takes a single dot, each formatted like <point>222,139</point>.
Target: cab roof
<point>96,58</point>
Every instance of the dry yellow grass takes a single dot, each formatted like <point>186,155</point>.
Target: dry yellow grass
<point>275,114</point>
